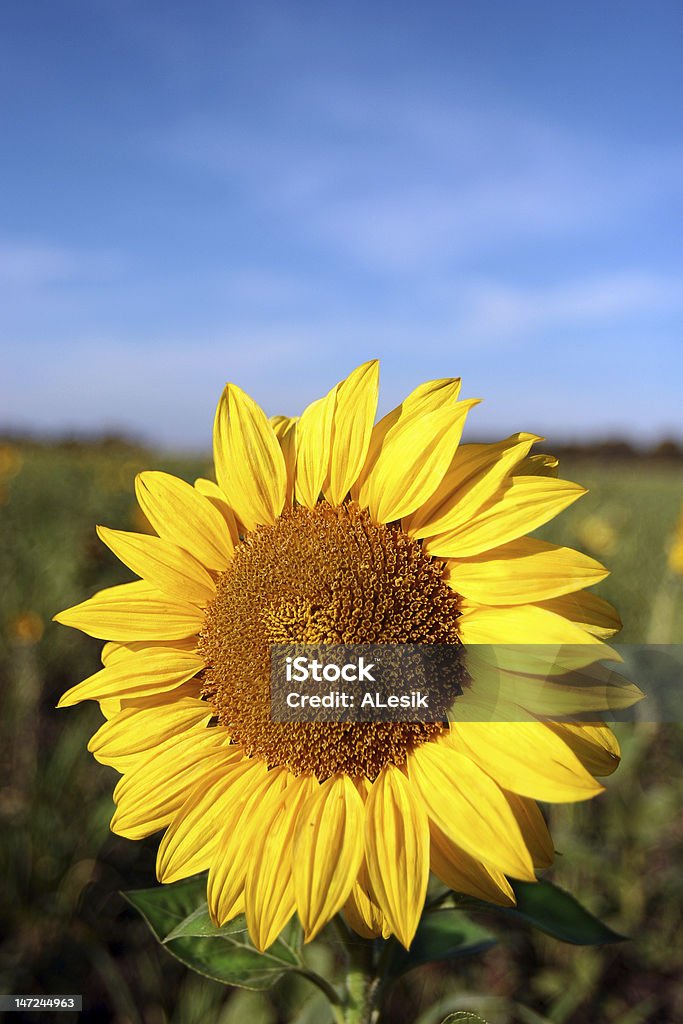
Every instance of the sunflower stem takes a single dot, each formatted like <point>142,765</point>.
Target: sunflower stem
<point>361,983</point>
<point>333,997</point>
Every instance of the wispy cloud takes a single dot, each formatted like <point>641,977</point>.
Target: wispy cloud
<point>395,183</point>
<point>30,264</point>
<point>495,313</point>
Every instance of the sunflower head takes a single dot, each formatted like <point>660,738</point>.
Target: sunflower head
<point>334,529</point>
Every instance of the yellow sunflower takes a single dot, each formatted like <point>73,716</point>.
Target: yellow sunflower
<point>333,529</point>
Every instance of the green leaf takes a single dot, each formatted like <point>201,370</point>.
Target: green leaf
<point>555,912</point>
<point>178,916</point>
<point>441,935</point>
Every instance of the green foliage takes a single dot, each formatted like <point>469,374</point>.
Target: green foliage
<point>179,918</point>
<point>553,911</point>
<point>442,935</point>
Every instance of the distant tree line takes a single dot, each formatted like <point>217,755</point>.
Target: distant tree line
<point>668,449</point>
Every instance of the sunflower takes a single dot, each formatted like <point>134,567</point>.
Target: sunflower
<point>333,529</point>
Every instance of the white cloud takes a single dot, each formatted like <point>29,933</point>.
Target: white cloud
<point>492,312</point>
<point>29,264</point>
<point>397,182</point>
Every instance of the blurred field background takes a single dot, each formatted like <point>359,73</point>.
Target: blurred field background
<point>66,929</point>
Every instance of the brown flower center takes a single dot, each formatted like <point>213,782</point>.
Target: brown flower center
<point>327,575</point>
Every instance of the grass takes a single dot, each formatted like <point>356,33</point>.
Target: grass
<point>64,927</point>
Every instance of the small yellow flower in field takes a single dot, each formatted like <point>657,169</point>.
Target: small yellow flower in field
<point>597,534</point>
<point>11,461</point>
<point>335,529</point>
<point>26,629</point>
<point>676,547</point>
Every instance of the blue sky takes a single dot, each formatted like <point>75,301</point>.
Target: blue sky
<point>271,193</point>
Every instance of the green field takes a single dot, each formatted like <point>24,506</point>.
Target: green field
<point>65,928</point>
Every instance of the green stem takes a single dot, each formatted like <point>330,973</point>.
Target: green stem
<point>333,997</point>
<point>361,983</point>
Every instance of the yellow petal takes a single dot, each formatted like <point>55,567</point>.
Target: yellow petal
<point>268,888</point>
<point>133,611</point>
<point>533,828</point>
<point>150,795</point>
<point>428,397</point>
<point>537,465</point>
<point>215,495</point>
<point>525,503</point>
<point>596,746</point>
<point>463,873</point>
<point>136,731</point>
<point>328,850</point>
<point>250,467</point>
<point>415,455</point>
<point>113,652</point>
<point>251,815</point>
<point>285,429</point>
<point>361,910</point>
<point>191,841</point>
<point>147,672</point>
<point>522,624</point>
<point>587,610</point>
<point>354,415</point>
<point>523,571</point>
<point>162,564</point>
<point>185,517</point>
<point>468,806</point>
<point>313,437</point>
<point>110,706</point>
<point>397,851</point>
<point>527,758</point>
<point>473,478</point>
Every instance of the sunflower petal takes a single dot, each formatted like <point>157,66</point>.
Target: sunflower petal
<point>162,564</point>
<point>185,517</point>
<point>313,438</point>
<point>414,457</point>
<point>268,891</point>
<point>596,746</point>
<point>250,467</point>
<point>527,758</point>
<point>362,912</point>
<point>523,571</point>
<point>525,504</point>
<point>285,432</point>
<point>136,731</point>
<point>191,841</point>
<point>133,611</point>
<point>537,465</point>
<point>147,672</point>
<point>533,828</point>
<point>468,806</point>
<point>588,611</point>
<point>113,652</point>
<point>149,796</point>
<point>428,397</point>
<point>523,624</point>
<point>212,491</point>
<point>251,815</point>
<point>328,851</point>
<point>473,478</point>
<point>397,851</point>
<point>463,873</point>
<point>354,415</point>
